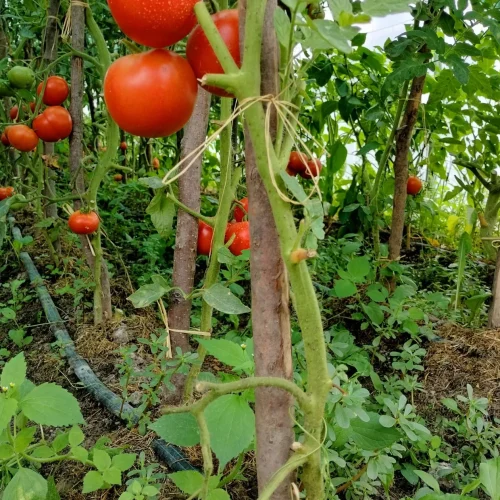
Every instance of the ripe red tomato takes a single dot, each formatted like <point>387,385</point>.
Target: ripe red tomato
<point>156,163</point>
<point>56,91</point>
<point>151,94</point>
<point>414,185</point>
<point>239,213</point>
<point>22,138</point>
<point>118,177</point>
<point>241,242</point>
<point>200,54</point>
<point>154,23</point>
<point>314,169</point>
<point>5,139</point>
<point>205,236</point>
<point>53,125</point>
<point>297,163</point>
<point>6,192</point>
<point>83,222</point>
<point>14,113</point>
<point>33,106</point>
<point>123,146</point>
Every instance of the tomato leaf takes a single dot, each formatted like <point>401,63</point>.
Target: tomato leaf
<point>162,212</point>
<point>221,298</point>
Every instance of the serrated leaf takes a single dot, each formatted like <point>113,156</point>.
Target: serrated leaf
<point>218,494</point>
<point>26,484</point>
<point>124,461</point>
<point>147,295</point>
<point>14,371</point>
<point>152,182</point>
<point>112,476</point>
<point>188,481</point>
<point>92,481</point>
<point>50,404</point>
<point>222,299</point>
<point>76,436</point>
<point>460,68</point>
<point>101,460</point>
<point>24,438</point>
<point>372,435</point>
<point>359,267</point>
<point>231,423</point>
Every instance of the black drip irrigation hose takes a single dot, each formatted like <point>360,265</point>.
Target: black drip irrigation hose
<point>167,453</point>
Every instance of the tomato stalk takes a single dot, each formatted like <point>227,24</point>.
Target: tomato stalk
<point>229,183</point>
<point>246,85</point>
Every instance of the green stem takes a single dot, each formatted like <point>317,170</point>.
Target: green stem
<point>234,472</point>
<point>196,215</point>
<point>227,190</point>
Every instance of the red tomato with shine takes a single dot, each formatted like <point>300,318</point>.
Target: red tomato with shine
<point>313,169</point>
<point>22,138</point>
<point>200,54</point>
<point>83,222</point>
<point>205,236</point>
<point>241,231</point>
<point>414,185</point>
<point>151,94</point>
<point>6,192</point>
<point>297,163</point>
<point>241,212</point>
<point>54,124</point>
<point>14,113</point>
<point>56,91</point>
<point>154,23</point>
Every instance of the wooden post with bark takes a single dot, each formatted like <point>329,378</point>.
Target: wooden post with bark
<point>186,239</point>
<point>75,142</point>
<point>403,143</point>
<point>270,297</point>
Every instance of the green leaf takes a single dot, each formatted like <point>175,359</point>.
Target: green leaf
<point>50,404</point>
<point>162,211</point>
<point>380,8</point>
<point>218,494</point>
<point>226,351</point>
<point>180,429</point>
<point>372,435</point>
<point>222,299</point>
<point>14,371</point>
<point>147,295</point>
<point>407,70</point>
<point>387,421</point>
<point>428,479</point>
<point>231,423</point>
<point>80,453</point>
<point>24,439</point>
<point>8,409</point>
<point>334,36</point>
<point>489,473</point>
<point>92,481</point>
<point>76,436</point>
<point>337,158</point>
<point>52,493</point>
<point>26,485</point>
<point>344,289</point>
<point>152,182</point>
<point>359,267</point>
<point>6,451</point>
<point>459,68</point>
<point>374,312</point>
<point>112,476</point>
<point>188,481</point>
<point>124,461</point>
<point>101,460</point>
<point>282,26</point>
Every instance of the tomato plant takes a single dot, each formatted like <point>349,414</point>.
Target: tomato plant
<point>154,23</point>
<point>56,91</point>
<point>241,233</point>
<point>22,138</point>
<point>83,222</point>
<point>151,94</point>
<point>205,236</point>
<point>53,125</point>
<point>313,169</point>
<point>201,55</point>
<point>21,77</point>
<point>118,177</point>
<point>6,192</point>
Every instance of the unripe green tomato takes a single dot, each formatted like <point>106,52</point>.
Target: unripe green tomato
<point>19,204</point>
<point>5,90</point>
<point>21,77</point>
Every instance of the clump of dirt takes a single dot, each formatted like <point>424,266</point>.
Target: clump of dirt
<point>463,356</point>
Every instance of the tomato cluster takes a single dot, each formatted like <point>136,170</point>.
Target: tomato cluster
<point>306,167</point>
<point>52,125</point>
<point>152,94</point>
